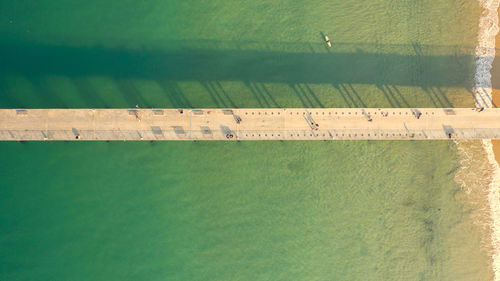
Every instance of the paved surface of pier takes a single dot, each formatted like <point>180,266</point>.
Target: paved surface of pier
<point>249,124</point>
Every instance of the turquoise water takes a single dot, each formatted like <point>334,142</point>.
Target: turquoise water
<point>233,54</point>
<point>236,211</point>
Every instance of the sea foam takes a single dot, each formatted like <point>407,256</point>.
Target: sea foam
<point>485,54</point>
<point>493,199</point>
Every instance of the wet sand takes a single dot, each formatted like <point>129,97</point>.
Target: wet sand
<point>495,81</point>
<point>496,149</point>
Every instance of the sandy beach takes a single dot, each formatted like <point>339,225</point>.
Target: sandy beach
<point>495,82</point>
<point>487,53</point>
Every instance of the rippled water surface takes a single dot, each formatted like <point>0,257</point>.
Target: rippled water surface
<point>227,210</point>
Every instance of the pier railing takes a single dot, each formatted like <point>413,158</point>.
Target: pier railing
<point>249,124</point>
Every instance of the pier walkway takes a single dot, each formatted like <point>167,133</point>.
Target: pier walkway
<point>249,124</point>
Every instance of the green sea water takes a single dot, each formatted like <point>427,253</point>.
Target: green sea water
<point>237,53</point>
<point>234,211</point>
<point>226,210</point>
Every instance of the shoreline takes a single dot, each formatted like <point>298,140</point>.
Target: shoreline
<point>487,94</point>
<point>494,158</point>
<point>494,204</point>
<point>495,84</point>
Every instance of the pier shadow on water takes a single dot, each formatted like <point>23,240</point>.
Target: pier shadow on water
<point>211,69</point>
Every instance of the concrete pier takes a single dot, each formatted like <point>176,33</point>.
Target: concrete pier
<point>249,124</point>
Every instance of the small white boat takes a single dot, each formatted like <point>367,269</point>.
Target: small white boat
<point>328,41</point>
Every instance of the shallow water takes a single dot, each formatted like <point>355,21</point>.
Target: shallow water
<point>233,54</point>
<point>225,211</point>
<point>249,210</point>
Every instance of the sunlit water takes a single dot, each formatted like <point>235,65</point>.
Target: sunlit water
<point>236,211</point>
